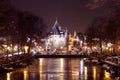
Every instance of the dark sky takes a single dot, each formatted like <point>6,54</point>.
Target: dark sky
<point>73,14</point>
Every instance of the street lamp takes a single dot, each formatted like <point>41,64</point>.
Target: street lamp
<point>26,49</point>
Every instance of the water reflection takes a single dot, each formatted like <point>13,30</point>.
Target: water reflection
<point>25,74</point>
<point>40,67</point>
<point>85,74</point>
<point>62,69</point>
<point>59,69</point>
<point>94,73</point>
<point>81,67</point>
<point>8,76</point>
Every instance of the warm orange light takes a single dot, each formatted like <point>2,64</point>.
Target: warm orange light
<point>26,49</point>
<point>107,48</point>
<point>94,72</point>
<point>25,74</point>
<point>41,68</point>
<point>107,75</point>
<point>8,48</point>
<point>8,76</point>
<point>85,72</point>
<point>119,47</point>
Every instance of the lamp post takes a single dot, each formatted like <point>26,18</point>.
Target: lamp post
<point>26,49</point>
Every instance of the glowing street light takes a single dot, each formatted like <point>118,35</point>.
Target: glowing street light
<point>26,49</point>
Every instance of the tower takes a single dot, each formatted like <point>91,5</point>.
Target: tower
<point>58,38</point>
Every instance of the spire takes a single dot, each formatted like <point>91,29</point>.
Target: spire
<point>75,34</point>
<point>66,33</point>
<point>55,24</point>
<point>56,27</point>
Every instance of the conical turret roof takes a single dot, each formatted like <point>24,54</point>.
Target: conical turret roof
<point>56,29</point>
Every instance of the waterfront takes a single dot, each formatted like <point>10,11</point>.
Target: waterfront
<point>59,69</point>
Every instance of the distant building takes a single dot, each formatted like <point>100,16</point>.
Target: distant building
<point>57,38</point>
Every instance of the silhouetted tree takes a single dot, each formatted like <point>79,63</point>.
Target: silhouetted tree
<point>30,26</point>
<point>17,26</point>
<point>97,30</point>
<point>7,21</point>
<point>107,27</point>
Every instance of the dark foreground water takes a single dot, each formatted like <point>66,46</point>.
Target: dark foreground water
<point>59,69</point>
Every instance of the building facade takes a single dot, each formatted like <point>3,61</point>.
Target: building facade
<point>57,38</point>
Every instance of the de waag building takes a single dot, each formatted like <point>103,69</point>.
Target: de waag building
<point>57,38</point>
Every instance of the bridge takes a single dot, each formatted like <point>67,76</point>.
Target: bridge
<point>61,56</point>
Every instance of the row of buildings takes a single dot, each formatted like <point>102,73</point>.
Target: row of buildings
<point>61,39</point>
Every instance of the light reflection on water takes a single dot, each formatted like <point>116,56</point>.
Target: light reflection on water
<point>86,75</point>
<point>40,67</point>
<point>59,69</point>
<point>25,74</point>
<point>8,76</point>
<point>94,73</point>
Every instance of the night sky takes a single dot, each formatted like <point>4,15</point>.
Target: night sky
<point>73,14</point>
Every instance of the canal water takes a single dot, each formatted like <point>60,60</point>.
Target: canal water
<point>59,69</point>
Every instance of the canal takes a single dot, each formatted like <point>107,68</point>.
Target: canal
<point>59,69</point>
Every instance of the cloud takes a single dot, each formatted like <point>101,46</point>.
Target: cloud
<point>93,4</point>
